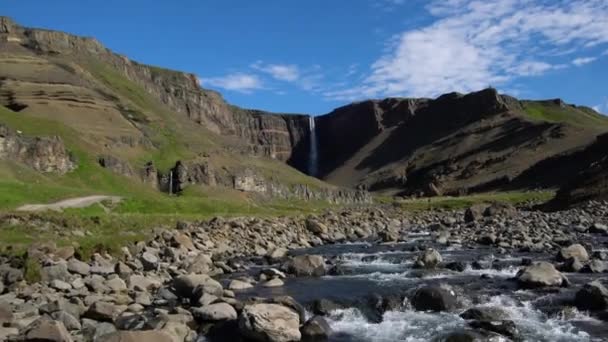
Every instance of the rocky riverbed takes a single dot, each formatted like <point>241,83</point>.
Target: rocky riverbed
<point>490,273</point>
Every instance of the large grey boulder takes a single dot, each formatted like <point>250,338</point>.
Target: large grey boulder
<point>315,329</point>
<point>78,267</point>
<point>307,265</point>
<point>44,329</point>
<point>430,258</point>
<point>187,286</point>
<point>540,274</point>
<point>593,296</point>
<point>137,336</point>
<point>269,323</point>
<point>434,298</point>
<point>575,251</point>
<point>215,312</point>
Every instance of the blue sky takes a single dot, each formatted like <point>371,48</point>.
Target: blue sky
<point>312,56</point>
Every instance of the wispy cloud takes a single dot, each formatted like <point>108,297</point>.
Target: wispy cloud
<point>473,44</point>
<point>281,72</point>
<point>583,60</point>
<point>241,82</point>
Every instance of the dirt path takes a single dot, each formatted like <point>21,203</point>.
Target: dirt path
<point>77,202</point>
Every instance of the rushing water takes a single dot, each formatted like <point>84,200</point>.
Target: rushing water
<point>313,154</point>
<point>387,269</point>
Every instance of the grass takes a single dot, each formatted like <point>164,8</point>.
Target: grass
<point>455,203</point>
<point>547,111</point>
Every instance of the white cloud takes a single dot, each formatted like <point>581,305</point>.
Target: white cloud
<point>597,108</point>
<point>475,43</point>
<point>583,60</point>
<point>241,82</point>
<point>281,72</point>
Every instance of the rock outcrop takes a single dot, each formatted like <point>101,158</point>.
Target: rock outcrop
<point>41,153</point>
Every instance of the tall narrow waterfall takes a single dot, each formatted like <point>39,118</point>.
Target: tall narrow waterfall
<point>313,153</point>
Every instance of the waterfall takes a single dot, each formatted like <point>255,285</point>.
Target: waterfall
<point>312,157</point>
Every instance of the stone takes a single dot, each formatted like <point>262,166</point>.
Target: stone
<point>324,306</point>
<point>183,241</point>
<point>277,254</point>
<point>8,334</point>
<point>149,261</point>
<point>60,285</point>
<point>269,323</point>
<point>599,228</point>
<point>595,266</point>
<point>238,285</point>
<point>44,329</point>
<point>315,329</point>
<point>316,227</point>
<point>307,266</point>
<point>388,235</point>
<point>485,313</point>
<point>475,212</point>
<point>434,298</point>
<point>593,296</point>
<point>55,272</point>
<point>506,328</point>
<point>69,321</point>
<point>136,282</point>
<point>6,314</point>
<point>576,251</point>
<point>78,267</point>
<point>186,285</point>
<point>540,274</point>
<point>201,264</point>
<point>103,312</point>
<point>137,336</point>
<point>215,313</point>
<point>274,282</point>
<point>430,258</point>
<point>117,285</point>
<point>500,209</point>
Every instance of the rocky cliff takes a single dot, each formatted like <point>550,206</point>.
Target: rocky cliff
<point>277,136</point>
<point>41,153</point>
<point>452,144</point>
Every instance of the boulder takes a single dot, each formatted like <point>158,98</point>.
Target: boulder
<point>186,285</point>
<point>149,261</point>
<point>434,298</point>
<point>576,251</point>
<point>540,274</point>
<point>274,282</point>
<point>593,296</point>
<point>55,272</point>
<point>78,267</point>
<point>137,336</point>
<point>44,329</point>
<point>269,323</point>
<point>238,285</point>
<point>598,228</point>
<point>215,313</point>
<point>500,209</point>
<point>324,306</point>
<point>388,235</point>
<point>316,227</point>
<point>506,328</point>
<point>485,313</point>
<point>315,329</point>
<point>595,266</point>
<point>428,259</point>
<point>102,312</point>
<point>474,213</point>
<point>307,265</point>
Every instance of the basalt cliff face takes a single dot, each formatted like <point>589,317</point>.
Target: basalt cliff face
<point>451,145</point>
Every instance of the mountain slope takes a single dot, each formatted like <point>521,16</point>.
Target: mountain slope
<point>134,127</point>
<point>453,144</point>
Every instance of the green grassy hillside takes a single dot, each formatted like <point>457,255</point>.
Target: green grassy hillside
<point>550,111</point>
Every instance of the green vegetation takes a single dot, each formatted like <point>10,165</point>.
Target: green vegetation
<point>454,203</point>
<point>32,271</point>
<point>551,112</point>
